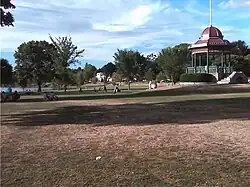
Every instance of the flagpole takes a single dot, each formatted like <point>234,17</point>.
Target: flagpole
<point>210,12</point>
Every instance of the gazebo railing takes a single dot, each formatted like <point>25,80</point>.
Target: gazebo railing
<point>212,69</point>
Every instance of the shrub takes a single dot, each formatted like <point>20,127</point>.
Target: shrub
<point>94,80</point>
<point>199,77</point>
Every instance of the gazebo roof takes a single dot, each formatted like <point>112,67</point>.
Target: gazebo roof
<point>211,32</point>
<point>211,36</point>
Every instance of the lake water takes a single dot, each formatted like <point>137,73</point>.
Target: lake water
<point>19,89</point>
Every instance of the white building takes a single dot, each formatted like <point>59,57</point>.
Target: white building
<point>100,76</point>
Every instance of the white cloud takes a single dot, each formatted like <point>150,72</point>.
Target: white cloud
<point>100,27</point>
<point>235,4</point>
<point>132,19</point>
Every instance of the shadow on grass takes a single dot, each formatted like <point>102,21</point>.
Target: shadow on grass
<point>215,89</point>
<point>178,112</point>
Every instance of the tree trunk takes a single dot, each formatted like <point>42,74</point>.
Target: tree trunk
<point>39,87</point>
<point>172,79</point>
<point>128,85</point>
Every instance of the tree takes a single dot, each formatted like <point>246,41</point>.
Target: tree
<point>173,61</point>
<point>34,62</point>
<point>241,64</point>
<point>89,71</point>
<point>6,72</point>
<point>66,54</point>
<point>23,82</point>
<point>94,80</point>
<point>149,75</point>
<point>116,77</point>
<point>130,64</point>
<point>153,65</point>
<point>240,60</point>
<point>80,79</point>
<point>108,69</point>
<point>125,64</point>
<point>240,48</point>
<point>6,17</point>
<point>141,64</point>
<point>160,76</point>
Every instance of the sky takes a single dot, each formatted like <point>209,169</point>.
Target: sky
<point>103,26</point>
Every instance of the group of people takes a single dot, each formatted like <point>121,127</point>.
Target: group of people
<point>50,96</point>
<point>116,89</point>
<point>9,95</point>
<point>100,88</point>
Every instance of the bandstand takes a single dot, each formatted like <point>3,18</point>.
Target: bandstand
<point>211,53</point>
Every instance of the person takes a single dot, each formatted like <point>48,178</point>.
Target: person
<point>105,89</point>
<point>9,91</point>
<point>80,90</point>
<point>116,89</point>
<point>15,96</point>
<point>50,96</point>
<point>4,96</point>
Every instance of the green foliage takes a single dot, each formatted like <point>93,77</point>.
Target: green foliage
<point>6,17</point>
<point>80,79</point>
<point>202,77</point>
<point>116,77</point>
<point>65,55</point>
<point>34,62</point>
<point>89,71</point>
<point>160,76</point>
<point>152,64</point>
<point>108,69</point>
<point>6,72</point>
<point>94,80</point>
<point>141,65</point>
<point>173,61</point>
<point>149,75</point>
<point>130,64</point>
<point>23,82</point>
<point>241,64</point>
<point>240,48</point>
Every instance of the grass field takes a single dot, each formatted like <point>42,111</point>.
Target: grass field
<point>191,136</point>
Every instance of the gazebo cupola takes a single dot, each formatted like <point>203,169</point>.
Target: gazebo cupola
<point>211,53</point>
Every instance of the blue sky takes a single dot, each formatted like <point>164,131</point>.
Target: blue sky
<point>102,26</point>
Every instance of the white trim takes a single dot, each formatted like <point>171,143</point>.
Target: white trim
<point>200,51</point>
<point>199,45</point>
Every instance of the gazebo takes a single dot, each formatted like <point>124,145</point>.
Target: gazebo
<point>211,53</point>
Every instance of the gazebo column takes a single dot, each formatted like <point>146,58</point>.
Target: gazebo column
<point>192,57</point>
<point>222,61</point>
<point>194,62</point>
<point>200,60</point>
<point>207,61</point>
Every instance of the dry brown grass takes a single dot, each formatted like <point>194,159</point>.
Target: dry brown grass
<point>164,152</point>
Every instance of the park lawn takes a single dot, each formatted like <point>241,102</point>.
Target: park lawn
<point>152,140</point>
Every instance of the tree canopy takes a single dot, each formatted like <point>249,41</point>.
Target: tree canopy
<point>130,64</point>
<point>108,69</point>
<point>34,61</point>
<point>66,54</point>
<point>240,48</point>
<point>89,71</point>
<point>6,72</point>
<point>173,61</point>
<point>6,17</point>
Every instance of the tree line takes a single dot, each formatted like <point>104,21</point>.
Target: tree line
<point>41,62</point>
